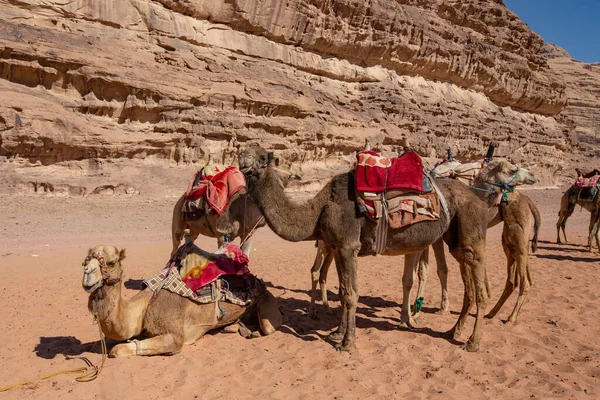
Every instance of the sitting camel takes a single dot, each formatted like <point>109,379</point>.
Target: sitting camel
<point>240,218</point>
<point>168,321</point>
<point>517,216</point>
<point>569,200</point>
<point>331,217</point>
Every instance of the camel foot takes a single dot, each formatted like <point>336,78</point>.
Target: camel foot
<point>233,328</point>
<point>471,347</point>
<point>123,350</point>
<point>451,334</point>
<point>345,347</point>
<point>244,331</point>
<point>443,311</point>
<point>336,336</point>
<point>415,313</point>
<point>410,324</point>
<point>490,315</point>
<point>509,322</point>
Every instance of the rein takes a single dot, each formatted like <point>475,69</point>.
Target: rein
<point>506,188</point>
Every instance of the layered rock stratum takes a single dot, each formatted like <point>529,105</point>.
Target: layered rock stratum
<point>124,95</point>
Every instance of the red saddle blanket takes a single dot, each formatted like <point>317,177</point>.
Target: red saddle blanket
<point>217,190</point>
<point>375,173</point>
<point>588,180</point>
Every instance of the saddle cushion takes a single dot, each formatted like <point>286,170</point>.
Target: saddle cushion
<point>214,190</point>
<point>586,182</point>
<point>454,169</point>
<point>375,173</point>
<point>204,277</point>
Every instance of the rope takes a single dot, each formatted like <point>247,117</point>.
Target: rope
<point>252,230</point>
<point>88,373</point>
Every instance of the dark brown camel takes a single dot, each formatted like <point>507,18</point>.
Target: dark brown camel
<point>331,216</point>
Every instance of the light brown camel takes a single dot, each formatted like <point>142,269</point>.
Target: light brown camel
<point>569,200</point>
<point>169,321</point>
<point>331,216</point>
<point>517,216</point>
<point>239,218</point>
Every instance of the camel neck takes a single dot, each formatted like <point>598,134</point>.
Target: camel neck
<point>105,303</point>
<point>289,220</point>
<point>486,192</point>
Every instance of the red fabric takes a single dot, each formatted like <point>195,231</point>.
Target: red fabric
<point>404,172</point>
<point>228,260</point>
<point>587,181</point>
<point>217,189</point>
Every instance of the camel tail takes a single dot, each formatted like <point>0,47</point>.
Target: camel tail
<point>537,223</point>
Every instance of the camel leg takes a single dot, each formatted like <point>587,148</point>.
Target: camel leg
<point>442,271</point>
<point>593,229</point>
<point>247,246</point>
<point>323,281</point>
<point>340,332</point>
<point>597,230</point>
<point>163,344</point>
<point>410,266</point>
<point>566,209</point>
<point>476,266</point>
<point>468,298</point>
<point>525,282</point>
<point>346,258</point>
<point>510,285</point>
<point>315,274</point>
<point>422,274</point>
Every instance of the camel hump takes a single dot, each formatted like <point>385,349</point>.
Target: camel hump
<point>269,316</point>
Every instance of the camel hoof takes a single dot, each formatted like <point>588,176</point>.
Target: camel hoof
<point>123,350</point>
<point>443,311</point>
<point>415,314</point>
<point>345,347</point>
<point>509,322</point>
<point>336,336</point>
<point>410,324</point>
<point>451,334</point>
<point>490,316</point>
<point>471,347</point>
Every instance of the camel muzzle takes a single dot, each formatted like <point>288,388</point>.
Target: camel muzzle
<point>92,275</point>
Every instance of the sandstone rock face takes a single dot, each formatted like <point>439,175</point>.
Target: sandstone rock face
<point>118,92</point>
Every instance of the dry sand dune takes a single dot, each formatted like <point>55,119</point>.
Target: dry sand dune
<point>552,351</point>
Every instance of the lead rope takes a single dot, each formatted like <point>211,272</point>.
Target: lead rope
<point>88,373</point>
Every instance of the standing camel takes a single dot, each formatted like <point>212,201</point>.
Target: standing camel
<point>569,200</point>
<point>240,218</point>
<point>518,216</point>
<point>331,216</point>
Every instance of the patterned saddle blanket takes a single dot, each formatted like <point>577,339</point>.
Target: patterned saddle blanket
<point>588,180</point>
<point>456,170</point>
<point>208,277</point>
<point>216,191</point>
<point>396,189</point>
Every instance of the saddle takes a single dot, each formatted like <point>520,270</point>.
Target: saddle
<point>395,190</point>
<point>586,186</point>
<point>206,277</point>
<point>455,170</point>
<point>214,192</point>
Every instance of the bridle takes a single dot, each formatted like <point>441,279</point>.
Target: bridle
<point>103,268</point>
<point>506,188</point>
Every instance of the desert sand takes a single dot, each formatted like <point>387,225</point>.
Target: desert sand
<point>552,351</point>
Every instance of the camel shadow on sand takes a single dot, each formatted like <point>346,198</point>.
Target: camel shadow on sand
<point>298,323</point>
<point>50,347</point>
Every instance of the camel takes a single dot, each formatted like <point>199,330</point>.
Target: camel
<point>331,216</point>
<point>568,202</point>
<point>168,321</point>
<point>240,219</point>
<point>517,216</point>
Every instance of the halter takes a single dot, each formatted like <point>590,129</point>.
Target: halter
<point>103,269</point>
<point>505,186</point>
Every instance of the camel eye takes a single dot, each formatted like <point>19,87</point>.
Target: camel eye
<point>111,263</point>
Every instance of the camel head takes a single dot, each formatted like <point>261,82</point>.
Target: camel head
<point>253,158</point>
<point>101,267</point>
<point>502,172</point>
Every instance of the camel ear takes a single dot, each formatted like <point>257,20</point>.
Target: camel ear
<point>269,158</point>
<point>122,254</point>
<point>269,316</point>
<point>90,250</point>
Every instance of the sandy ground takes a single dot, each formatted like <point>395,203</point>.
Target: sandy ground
<point>552,351</point>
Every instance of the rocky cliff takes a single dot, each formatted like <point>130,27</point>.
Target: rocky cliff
<point>103,95</point>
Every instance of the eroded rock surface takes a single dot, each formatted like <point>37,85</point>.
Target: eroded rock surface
<point>133,92</point>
